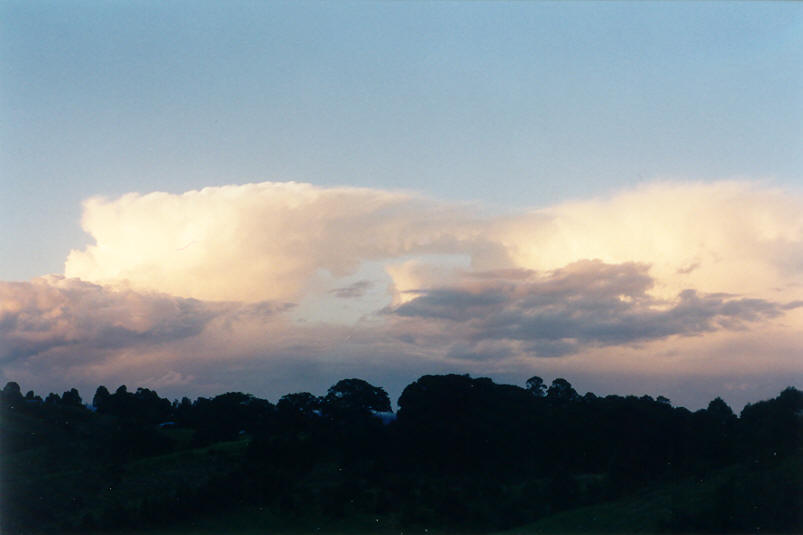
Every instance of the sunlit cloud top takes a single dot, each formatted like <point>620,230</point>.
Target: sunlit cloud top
<point>268,240</point>
<point>670,279</point>
<point>275,196</point>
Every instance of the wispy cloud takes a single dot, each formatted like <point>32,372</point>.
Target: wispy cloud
<point>353,291</point>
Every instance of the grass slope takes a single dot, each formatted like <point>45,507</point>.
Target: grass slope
<point>655,510</point>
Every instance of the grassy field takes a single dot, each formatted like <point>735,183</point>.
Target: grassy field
<point>650,510</point>
<point>77,485</point>
<point>646,512</point>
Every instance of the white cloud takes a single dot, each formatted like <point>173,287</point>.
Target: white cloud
<point>271,240</point>
<point>267,241</point>
<point>735,237</point>
<point>256,241</point>
<point>190,291</point>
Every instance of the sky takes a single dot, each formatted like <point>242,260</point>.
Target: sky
<point>201,197</point>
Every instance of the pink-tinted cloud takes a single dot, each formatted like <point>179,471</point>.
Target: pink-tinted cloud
<point>56,325</point>
<point>258,241</point>
<point>192,292</point>
<point>584,304</point>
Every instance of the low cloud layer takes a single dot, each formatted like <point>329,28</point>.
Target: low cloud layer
<point>56,325</point>
<point>53,312</point>
<point>587,303</point>
<point>215,289</point>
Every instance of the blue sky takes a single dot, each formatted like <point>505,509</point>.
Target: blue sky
<point>511,104</point>
<point>457,166</point>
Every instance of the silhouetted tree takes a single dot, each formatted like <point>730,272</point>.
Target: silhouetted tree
<point>535,385</point>
<point>31,397</point>
<point>772,429</point>
<point>300,402</point>
<point>460,424</point>
<point>355,395</point>
<point>225,416</point>
<point>298,409</point>
<point>561,391</point>
<point>71,398</point>
<point>183,413</point>
<point>100,398</point>
<point>720,410</point>
<point>465,454</point>
<point>12,395</point>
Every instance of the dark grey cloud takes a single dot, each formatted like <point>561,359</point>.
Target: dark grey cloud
<point>451,303</point>
<point>353,291</point>
<point>588,303</point>
<point>55,313</point>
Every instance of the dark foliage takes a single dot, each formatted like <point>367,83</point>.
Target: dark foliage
<point>462,453</point>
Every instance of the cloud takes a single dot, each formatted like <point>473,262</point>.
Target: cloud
<point>55,311</point>
<point>352,291</point>
<point>728,236</point>
<point>58,331</point>
<point>68,323</point>
<point>169,379</point>
<point>588,303</point>
<point>192,291</point>
<point>269,241</point>
<point>257,241</point>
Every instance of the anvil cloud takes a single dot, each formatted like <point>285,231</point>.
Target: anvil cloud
<point>184,289</point>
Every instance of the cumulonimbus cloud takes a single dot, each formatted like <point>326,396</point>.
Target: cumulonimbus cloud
<point>178,287</point>
<point>266,241</point>
<point>257,241</point>
<point>728,236</point>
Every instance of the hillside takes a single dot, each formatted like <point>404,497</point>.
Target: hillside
<point>461,455</point>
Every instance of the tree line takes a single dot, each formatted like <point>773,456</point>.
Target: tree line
<point>461,453</point>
